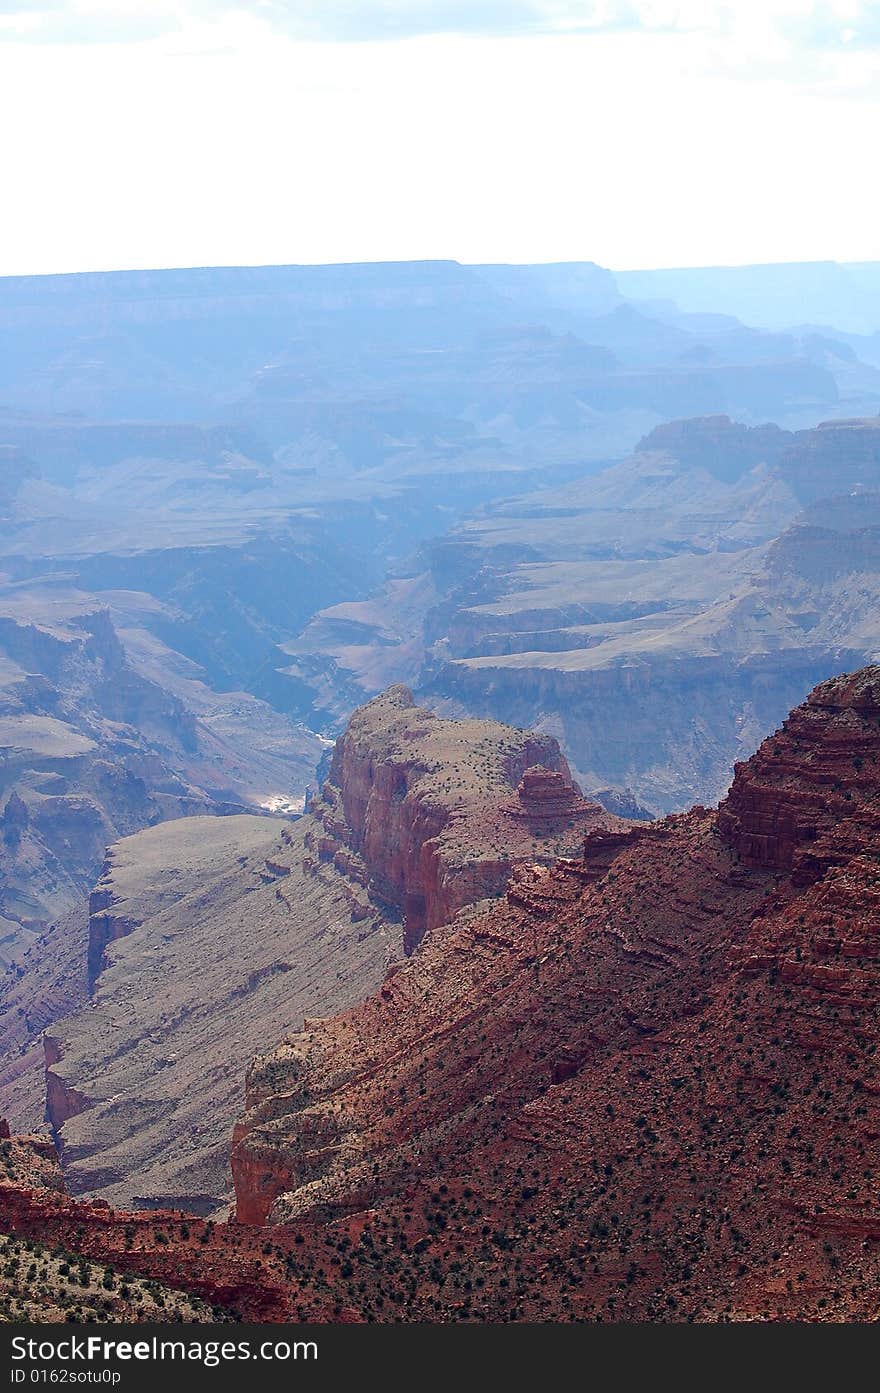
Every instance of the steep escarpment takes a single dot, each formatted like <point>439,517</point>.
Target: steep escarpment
<point>643,1086</point>
<point>432,815</point>
<point>47,984</point>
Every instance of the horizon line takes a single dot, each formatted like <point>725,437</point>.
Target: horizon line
<point>429,261</point>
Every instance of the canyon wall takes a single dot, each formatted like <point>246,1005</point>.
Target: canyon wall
<point>641,1086</point>
<point>668,727</point>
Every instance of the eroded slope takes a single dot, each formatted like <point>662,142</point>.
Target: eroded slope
<point>210,938</point>
<point>203,940</point>
<point>642,1091</point>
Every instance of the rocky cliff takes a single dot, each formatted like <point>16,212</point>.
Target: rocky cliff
<point>807,799</point>
<point>643,1086</point>
<point>432,815</point>
<point>640,1086</point>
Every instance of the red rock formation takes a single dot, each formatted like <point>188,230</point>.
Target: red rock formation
<point>647,1094</point>
<point>29,1160</point>
<point>642,1086</point>
<point>549,801</point>
<point>790,806</point>
<point>219,1263</point>
<point>432,815</point>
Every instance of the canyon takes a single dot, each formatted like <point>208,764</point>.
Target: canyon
<point>658,617</point>
<point>639,1084</point>
<point>208,937</point>
<point>384,650</point>
<point>236,503</point>
<point>645,1091</point>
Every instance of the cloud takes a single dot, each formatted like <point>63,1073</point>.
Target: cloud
<point>835,24</point>
<point>330,21</point>
<point>356,20</point>
<point>91,21</point>
<point>830,24</point>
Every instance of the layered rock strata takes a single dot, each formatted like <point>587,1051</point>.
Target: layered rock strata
<point>641,1086</point>
<point>431,815</point>
<point>209,938</point>
<point>646,1094</point>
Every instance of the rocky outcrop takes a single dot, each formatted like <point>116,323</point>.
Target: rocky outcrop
<point>548,800</point>
<point>809,792</point>
<point>28,1160</point>
<point>431,815</point>
<point>723,447</point>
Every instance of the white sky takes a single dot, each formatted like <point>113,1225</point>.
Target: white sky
<point>631,132</point>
